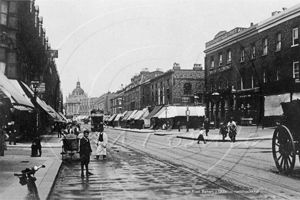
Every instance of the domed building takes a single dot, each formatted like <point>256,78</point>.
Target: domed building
<point>74,100</point>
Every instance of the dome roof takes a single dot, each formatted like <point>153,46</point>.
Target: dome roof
<point>78,90</point>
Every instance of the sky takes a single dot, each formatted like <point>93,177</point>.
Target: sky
<point>104,43</point>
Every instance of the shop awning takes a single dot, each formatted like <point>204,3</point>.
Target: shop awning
<point>140,113</point>
<point>137,114</point>
<point>13,93</point>
<point>145,114</point>
<point>48,109</point>
<point>131,115</point>
<point>162,110</point>
<point>153,112</point>
<point>118,117</point>
<point>112,117</point>
<point>174,111</point>
<point>62,115</point>
<point>127,115</point>
<point>273,104</point>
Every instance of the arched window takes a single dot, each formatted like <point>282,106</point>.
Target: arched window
<point>187,88</point>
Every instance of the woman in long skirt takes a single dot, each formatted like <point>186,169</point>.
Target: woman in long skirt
<point>101,145</point>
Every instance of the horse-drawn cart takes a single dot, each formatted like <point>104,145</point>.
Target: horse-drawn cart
<point>286,137</point>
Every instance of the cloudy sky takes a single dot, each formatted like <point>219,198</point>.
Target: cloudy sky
<point>104,43</point>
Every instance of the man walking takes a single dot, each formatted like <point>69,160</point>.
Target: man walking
<point>85,151</point>
<point>206,126</point>
<point>178,126</point>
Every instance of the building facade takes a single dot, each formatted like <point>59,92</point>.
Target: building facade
<point>103,102</point>
<point>134,95</point>
<point>178,87</point>
<point>249,69</point>
<point>116,103</point>
<point>73,102</point>
<point>25,56</point>
<point>87,105</point>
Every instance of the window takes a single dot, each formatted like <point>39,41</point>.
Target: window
<point>278,42</point>
<point>242,55</point>
<point>277,75</point>
<point>229,56</point>
<point>220,59</point>
<point>265,46</point>
<point>2,67</point>
<point>296,74</point>
<point>212,62</point>
<point>3,13</point>
<point>187,88</point>
<point>264,77</point>
<point>253,51</point>
<point>212,85</point>
<point>295,37</point>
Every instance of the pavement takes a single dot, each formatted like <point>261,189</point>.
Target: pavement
<point>17,157</point>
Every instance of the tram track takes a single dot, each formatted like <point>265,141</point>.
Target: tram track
<point>228,159</point>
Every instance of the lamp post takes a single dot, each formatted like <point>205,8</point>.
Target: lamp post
<point>166,111</point>
<point>187,117</point>
<point>35,85</point>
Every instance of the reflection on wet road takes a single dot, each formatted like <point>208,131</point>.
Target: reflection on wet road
<point>131,175</point>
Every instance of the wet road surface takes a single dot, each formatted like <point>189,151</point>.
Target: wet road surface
<point>127,174</point>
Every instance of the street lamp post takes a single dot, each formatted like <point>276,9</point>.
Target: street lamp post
<point>187,117</point>
<point>35,85</point>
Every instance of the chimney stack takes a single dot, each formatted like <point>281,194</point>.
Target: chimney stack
<point>197,67</point>
<point>176,66</point>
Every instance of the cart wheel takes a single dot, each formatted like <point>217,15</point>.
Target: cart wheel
<point>283,147</point>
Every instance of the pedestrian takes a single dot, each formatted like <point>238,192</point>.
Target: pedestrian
<point>223,130</point>
<point>12,136</point>
<point>85,151</point>
<point>101,145</point>
<point>201,137</point>
<point>231,128</point>
<point>206,126</point>
<point>38,146</point>
<point>3,137</point>
<point>178,126</point>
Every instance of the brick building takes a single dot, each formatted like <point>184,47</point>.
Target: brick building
<point>249,70</point>
<point>177,86</point>
<point>25,56</point>
<point>103,102</point>
<point>116,103</point>
<point>135,95</point>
